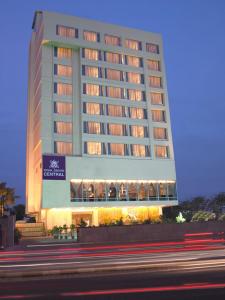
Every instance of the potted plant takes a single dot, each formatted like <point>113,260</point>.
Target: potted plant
<point>55,232</point>
<point>72,231</point>
<point>60,232</point>
<point>65,229</point>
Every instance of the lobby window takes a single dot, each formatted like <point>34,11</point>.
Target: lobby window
<point>135,95</point>
<point>91,36</point>
<point>137,113</point>
<point>112,40</point>
<point>92,89</point>
<point>115,110</point>
<point>158,116</point>
<point>93,127</point>
<point>117,149</point>
<point>93,148</point>
<point>92,108</point>
<point>63,148</point>
<point>62,70</point>
<point>140,150</point>
<point>133,61</point>
<point>114,92</point>
<point>66,31</point>
<point>138,131</point>
<point>63,89</point>
<point>62,52</point>
<point>63,108</point>
<point>135,78</point>
<point>112,57</point>
<point>153,65</point>
<point>112,74</point>
<point>117,129</point>
<point>157,98</point>
<point>91,71</point>
<point>63,127</point>
<point>160,133</point>
<point>155,81</point>
<point>161,151</point>
<point>91,54</point>
<point>152,48</point>
<point>133,44</point>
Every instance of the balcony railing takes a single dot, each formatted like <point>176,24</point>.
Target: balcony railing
<point>109,199</point>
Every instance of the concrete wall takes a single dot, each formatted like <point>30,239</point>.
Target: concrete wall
<point>148,232</point>
<point>7,226</point>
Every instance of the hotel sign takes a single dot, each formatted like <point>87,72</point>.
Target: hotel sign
<point>53,167</point>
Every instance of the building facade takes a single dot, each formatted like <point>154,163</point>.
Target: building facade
<point>99,142</point>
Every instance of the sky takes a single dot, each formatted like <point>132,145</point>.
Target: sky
<point>193,34</point>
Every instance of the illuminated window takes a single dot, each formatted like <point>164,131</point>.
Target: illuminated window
<point>115,110</point>
<point>63,52</point>
<point>158,116</point>
<point>138,131</point>
<point>133,61</point>
<point>153,65</point>
<point>62,70</point>
<point>63,89</point>
<point>62,108</point>
<point>160,133</point>
<point>137,113</point>
<point>156,98</point>
<point>91,36</point>
<point>63,127</point>
<point>91,71</point>
<point>66,31</point>
<point>153,48</point>
<point>134,77</point>
<point>93,128</point>
<point>64,148</point>
<point>93,148</point>
<point>92,89</point>
<point>112,40</point>
<point>114,92</point>
<point>117,149</point>
<point>92,108</point>
<point>155,81</point>
<point>161,151</point>
<point>135,95</point>
<point>91,54</point>
<point>112,57</point>
<point>116,129</point>
<point>113,74</point>
<point>139,150</point>
<point>132,44</point>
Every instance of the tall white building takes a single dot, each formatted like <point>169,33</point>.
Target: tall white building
<point>99,142</point>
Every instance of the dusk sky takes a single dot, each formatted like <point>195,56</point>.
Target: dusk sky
<point>193,33</point>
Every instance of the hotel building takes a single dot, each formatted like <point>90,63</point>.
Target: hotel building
<point>99,142</point>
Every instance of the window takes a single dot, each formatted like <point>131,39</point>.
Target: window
<point>117,149</point>
<point>133,61</point>
<point>112,40</point>
<point>63,127</point>
<point>112,57</point>
<point>132,44</point>
<point>138,131</point>
<point>63,89</point>
<point>92,108</point>
<point>62,70</point>
<point>117,129</point>
<point>93,148</point>
<point>115,110</point>
<point>92,89</point>
<point>62,108</point>
<point>160,133</point>
<point>135,95</point>
<point>66,31</point>
<point>155,81</point>
<point>91,71</point>
<point>161,151</point>
<point>91,36</point>
<point>64,148</point>
<point>137,113</point>
<point>153,48</point>
<point>93,128</point>
<point>91,54</point>
<point>157,98</point>
<point>114,74</point>
<point>153,65</point>
<point>158,116</point>
<point>139,150</point>
<point>63,52</point>
<point>134,77</point>
<point>114,92</point>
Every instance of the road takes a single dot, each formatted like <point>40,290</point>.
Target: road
<point>192,269</point>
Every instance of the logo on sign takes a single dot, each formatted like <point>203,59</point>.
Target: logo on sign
<point>54,167</point>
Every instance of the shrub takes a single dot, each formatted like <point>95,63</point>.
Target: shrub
<point>203,216</point>
<point>221,217</point>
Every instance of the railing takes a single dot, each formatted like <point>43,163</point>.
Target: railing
<point>108,199</point>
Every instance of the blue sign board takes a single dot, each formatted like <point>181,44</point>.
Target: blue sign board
<point>53,167</point>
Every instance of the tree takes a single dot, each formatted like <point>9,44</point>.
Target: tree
<point>217,204</point>
<point>7,196</point>
<point>19,211</point>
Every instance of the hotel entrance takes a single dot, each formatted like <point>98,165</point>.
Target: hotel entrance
<point>85,216</point>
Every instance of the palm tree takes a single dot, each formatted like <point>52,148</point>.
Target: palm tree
<point>7,196</point>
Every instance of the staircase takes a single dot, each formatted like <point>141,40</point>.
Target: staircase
<point>28,230</point>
